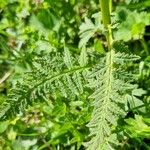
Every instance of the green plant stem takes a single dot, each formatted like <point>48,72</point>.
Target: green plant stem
<point>29,135</point>
<point>110,6</point>
<point>106,6</point>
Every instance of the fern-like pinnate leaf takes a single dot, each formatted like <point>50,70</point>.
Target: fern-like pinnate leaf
<point>51,75</point>
<point>110,99</point>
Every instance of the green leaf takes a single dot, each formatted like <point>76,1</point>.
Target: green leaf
<point>3,126</point>
<point>99,47</point>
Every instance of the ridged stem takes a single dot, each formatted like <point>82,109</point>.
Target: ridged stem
<point>106,7</point>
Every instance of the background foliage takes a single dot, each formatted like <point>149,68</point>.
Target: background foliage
<point>35,31</point>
